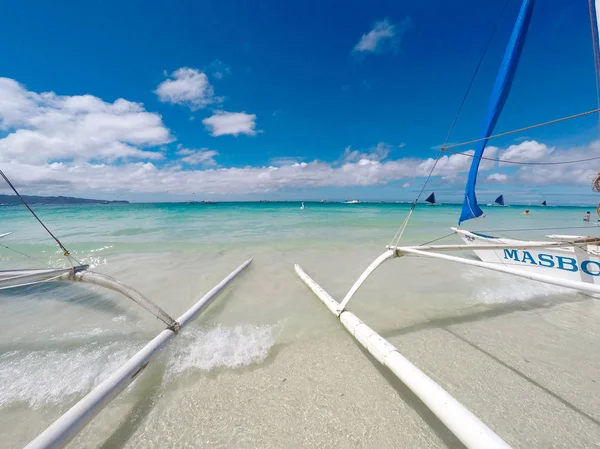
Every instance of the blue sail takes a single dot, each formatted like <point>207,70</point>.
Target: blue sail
<point>431,198</point>
<point>500,200</point>
<point>502,85</point>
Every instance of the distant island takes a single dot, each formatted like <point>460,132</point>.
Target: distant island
<point>12,200</point>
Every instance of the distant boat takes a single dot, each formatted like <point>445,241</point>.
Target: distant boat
<point>431,199</point>
<point>498,201</point>
<point>302,207</point>
<point>352,202</point>
<point>544,203</point>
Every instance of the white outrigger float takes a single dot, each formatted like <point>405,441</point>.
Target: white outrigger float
<point>563,260</point>
<point>59,433</point>
<point>63,430</point>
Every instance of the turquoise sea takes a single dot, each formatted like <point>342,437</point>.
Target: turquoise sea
<point>268,366</point>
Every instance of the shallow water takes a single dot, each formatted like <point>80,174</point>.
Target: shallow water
<point>267,365</point>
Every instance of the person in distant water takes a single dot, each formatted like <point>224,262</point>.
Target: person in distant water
<point>586,217</point>
<point>526,212</point>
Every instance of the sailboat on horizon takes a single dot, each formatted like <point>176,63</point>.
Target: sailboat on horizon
<point>498,201</point>
<point>431,199</point>
<point>69,424</point>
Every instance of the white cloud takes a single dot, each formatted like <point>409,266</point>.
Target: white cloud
<point>376,153</point>
<point>219,69</point>
<point>234,123</point>
<point>497,177</point>
<point>203,156</point>
<point>384,35</point>
<point>285,160</point>
<point>147,177</point>
<point>562,174</point>
<point>57,144</point>
<point>45,127</point>
<point>527,151</point>
<point>406,185</point>
<point>186,86</point>
<point>458,163</point>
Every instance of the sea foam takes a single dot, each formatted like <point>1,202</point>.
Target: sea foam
<point>221,347</point>
<point>54,376</point>
<point>493,288</point>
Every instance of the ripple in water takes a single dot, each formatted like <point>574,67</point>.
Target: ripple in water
<point>48,377</point>
<point>494,288</point>
<point>51,377</point>
<point>221,347</point>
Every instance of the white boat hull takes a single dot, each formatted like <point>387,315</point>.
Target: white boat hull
<point>574,263</point>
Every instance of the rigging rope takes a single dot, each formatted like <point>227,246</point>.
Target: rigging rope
<point>398,236</point>
<point>539,125</point>
<point>14,250</point>
<point>536,229</point>
<point>596,53</point>
<point>7,287</point>
<point>438,239</point>
<point>62,247</point>
<point>507,161</point>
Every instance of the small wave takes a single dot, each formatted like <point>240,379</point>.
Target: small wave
<point>48,377</point>
<point>221,347</point>
<point>101,249</point>
<point>495,288</point>
<point>133,231</point>
<point>85,257</point>
<point>81,334</point>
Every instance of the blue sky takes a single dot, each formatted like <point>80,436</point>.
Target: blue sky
<point>372,87</point>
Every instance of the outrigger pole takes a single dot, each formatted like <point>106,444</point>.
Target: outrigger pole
<point>73,421</point>
<point>473,433</point>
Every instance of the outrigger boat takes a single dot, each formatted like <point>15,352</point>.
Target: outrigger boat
<point>563,260</point>
<point>498,201</point>
<point>77,417</point>
<point>431,199</point>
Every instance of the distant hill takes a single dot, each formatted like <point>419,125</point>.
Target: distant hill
<point>11,200</point>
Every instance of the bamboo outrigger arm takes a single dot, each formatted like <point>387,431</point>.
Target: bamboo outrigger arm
<point>79,273</point>
<point>460,421</point>
<point>389,254</point>
<point>68,425</point>
<point>111,283</point>
<point>430,251</point>
<point>473,433</point>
